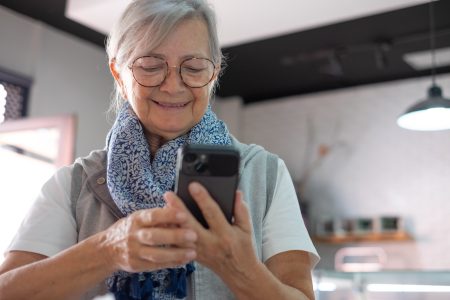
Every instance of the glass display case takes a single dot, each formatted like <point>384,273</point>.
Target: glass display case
<point>381,285</point>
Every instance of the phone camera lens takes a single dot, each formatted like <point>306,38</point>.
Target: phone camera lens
<point>190,157</point>
<point>201,167</point>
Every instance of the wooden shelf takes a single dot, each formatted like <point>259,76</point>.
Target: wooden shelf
<point>364,237</point>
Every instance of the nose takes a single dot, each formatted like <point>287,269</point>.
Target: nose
<point>173,82</point>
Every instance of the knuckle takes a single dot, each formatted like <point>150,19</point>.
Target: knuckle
<point>133,220</point>
<point>144,217</point>
<point>185,235</point>
<point>144,236</point>
<point>147,216</point>
<point>128,240</point>
<point>151,237</point>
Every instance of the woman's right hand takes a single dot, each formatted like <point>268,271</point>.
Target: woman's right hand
<point>150,239</point>
<point>144,241</point>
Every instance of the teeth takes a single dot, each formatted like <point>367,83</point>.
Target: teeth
<point>171,104</point>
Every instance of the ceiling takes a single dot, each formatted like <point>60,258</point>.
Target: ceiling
<point>250,20</point>
<point>300,47</point>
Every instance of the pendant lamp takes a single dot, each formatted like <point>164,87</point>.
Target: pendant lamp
<point>432,113</point>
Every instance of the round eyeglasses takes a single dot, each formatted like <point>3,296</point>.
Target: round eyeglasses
<point>151,71</point>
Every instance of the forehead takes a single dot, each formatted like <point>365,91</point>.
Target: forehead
<point>188,38</point>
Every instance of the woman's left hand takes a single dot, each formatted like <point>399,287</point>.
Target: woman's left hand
<point>225,248</point>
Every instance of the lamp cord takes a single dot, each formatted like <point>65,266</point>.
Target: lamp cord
<point>432,43</point>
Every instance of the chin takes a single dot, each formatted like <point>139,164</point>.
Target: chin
<point>170,133</point>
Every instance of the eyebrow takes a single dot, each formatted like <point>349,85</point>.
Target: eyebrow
<point>187,56</point>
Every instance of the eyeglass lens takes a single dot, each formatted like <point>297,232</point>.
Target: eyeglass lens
<point>151,71</point>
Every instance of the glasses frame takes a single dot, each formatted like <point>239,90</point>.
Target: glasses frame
<point>179,71</point>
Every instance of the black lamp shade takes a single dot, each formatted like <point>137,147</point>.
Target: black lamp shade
<point>432,113</point>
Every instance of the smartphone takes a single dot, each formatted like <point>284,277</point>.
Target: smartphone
<point>216,167</point>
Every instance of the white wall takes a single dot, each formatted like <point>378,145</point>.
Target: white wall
<point>69,75</point>
<point>230,111</point>
<point>374,168</point>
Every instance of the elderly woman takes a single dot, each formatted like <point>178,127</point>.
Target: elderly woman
<point>110,222</point>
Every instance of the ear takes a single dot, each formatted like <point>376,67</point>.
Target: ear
<point>214,79</point>
<point>216,73</point>
<point>116,74</point>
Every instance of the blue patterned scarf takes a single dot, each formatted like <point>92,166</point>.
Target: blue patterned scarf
<point>136,181</point>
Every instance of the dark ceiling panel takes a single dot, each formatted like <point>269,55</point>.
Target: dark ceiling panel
<point>360,51</point>
<point>52,12</point>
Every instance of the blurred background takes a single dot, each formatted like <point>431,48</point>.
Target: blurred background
<point>321,83</point>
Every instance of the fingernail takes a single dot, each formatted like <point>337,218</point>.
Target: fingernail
<point>195,188</point>
<point>191,254</point>
<point>190,236</point>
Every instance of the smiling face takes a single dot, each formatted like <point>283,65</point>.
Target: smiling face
<point>171,109</point>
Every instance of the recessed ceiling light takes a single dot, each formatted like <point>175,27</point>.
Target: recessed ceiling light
<point>422,60</point>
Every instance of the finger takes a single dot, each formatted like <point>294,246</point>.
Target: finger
<point>209,208</point>
<point>159,217</point>
<point>174,201</point>
<point>174,236</point>
<point>167,256</point>
<point>241,213</point>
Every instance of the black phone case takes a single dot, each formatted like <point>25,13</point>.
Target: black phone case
<point>220,176</point>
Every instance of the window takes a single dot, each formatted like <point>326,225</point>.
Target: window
<point>14,91</point>
<point>3,94</point>
<point>31,149</point>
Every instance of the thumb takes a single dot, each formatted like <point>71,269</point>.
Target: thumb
<point>241,215</point>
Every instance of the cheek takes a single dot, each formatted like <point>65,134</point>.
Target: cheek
<point>202,100</point>
<point>131,88</point>
<point>127,87</point>
<point>135,92</point>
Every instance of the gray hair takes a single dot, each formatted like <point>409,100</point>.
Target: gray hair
<point>145,24</point>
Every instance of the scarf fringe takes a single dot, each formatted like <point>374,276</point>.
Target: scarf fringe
<point>140,287</point>
<point>177,284</point>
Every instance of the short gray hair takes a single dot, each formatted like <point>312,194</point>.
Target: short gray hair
<point>145,24</point>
